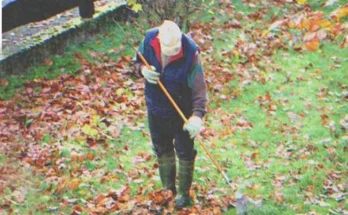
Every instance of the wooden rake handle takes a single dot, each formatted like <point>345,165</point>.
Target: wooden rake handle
<point>185,120</point>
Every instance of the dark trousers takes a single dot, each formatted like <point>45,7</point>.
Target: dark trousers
<point>165,132</point>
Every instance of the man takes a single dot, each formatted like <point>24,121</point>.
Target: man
<point>174,60</point>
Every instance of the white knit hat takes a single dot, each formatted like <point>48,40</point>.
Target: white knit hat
<point>170,38</point>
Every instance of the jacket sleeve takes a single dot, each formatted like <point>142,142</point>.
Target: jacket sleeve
<point>138,64</point>
<point>198,86</point>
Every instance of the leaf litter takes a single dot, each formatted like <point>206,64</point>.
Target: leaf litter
<point>95,105</point>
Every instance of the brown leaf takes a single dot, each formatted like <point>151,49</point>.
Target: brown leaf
<point>291,24</point>
<point>29,90</point>
<point>61,185</point>
<point>309,36</point>
<point>254,155</point>
<point>20,196</point>
<point>232,24</point>
<point>344,43</point>
<point>324,119</point>
<point>161,197</point>
<point>314,25</point>
<point>47,62</point>
<point>3,110</point>
<point>113,195</point>
<point>77,209</point>
<point>115,77</point>
<point>127,59</point>
<point>89,156</point>
<point>74,184</point>
<point>124,194</point>
<point>157,198</point>
<point>46,89</point>
<point>254,186</point>
<point>99,199</point>
<point>340,13</point>
<point>4,82</point>
<point>321,34</point>
<point>279,198</point>
<point>312,45</point>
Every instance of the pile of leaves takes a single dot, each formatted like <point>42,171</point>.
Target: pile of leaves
<point>314,27</point>
<point>90,107</point>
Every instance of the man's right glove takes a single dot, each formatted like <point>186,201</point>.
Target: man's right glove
<point>150,74</point>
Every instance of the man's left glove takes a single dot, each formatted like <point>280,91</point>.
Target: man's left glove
<point>194,126</point>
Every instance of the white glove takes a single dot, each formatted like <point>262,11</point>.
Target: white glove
<point>194,126</point>
<point>150,74</point>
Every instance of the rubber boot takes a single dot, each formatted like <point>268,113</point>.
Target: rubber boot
<point>167,171</point>
<point>183,198</point>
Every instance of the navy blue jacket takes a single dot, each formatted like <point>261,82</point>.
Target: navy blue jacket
<point>174,76</point>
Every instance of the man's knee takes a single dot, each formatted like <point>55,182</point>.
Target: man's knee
<point>162,149</point>
<point>187,155</point>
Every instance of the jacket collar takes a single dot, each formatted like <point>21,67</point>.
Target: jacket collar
<point>155,44</point>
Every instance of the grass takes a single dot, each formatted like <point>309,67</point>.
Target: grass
<point>297,93</point>
<point>286,156</point>
<point>301,78</point>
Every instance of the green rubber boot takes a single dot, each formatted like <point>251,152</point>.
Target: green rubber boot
<point>167,171</point>
<point>183,198</point>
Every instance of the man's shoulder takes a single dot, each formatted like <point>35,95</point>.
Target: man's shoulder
<point>150,35</point>
<point>152,31</point>
<point>191,42</point>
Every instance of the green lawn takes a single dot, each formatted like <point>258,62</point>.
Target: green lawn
<point>276,123</point>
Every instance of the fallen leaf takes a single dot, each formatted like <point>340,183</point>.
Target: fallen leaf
<point>4,82</point>
<point>74,184</point>
<point>312,45</point>
<point>340,12</point>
